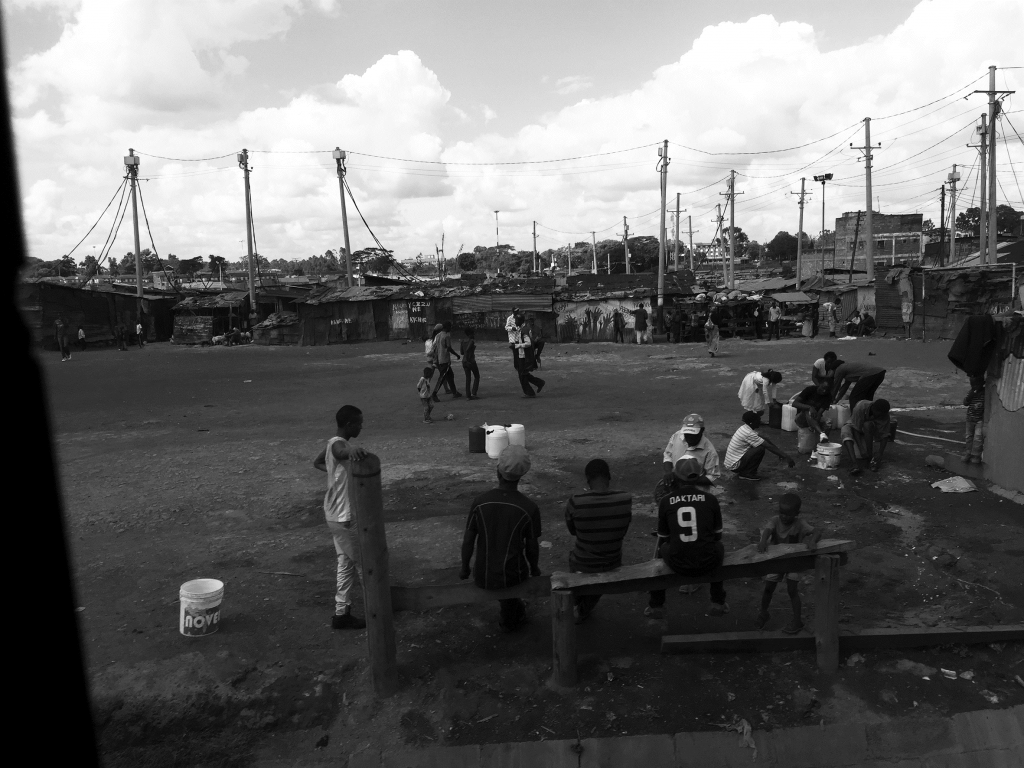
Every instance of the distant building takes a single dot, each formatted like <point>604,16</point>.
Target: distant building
<point>898,239</point>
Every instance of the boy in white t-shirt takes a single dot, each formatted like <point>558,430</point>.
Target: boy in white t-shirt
<point>334,461</point>
<point>423,387</point>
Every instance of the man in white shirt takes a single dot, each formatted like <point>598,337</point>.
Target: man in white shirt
<point>821,371</point>
<point>774,320</point>
<point>758,389</point>
<point>690,442</point>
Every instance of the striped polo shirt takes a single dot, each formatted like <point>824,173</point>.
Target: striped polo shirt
<point>598,520</point>
<point>743,439</point>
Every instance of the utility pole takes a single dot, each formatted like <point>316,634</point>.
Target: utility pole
<point>593,236</point>
<point>689,225</point>
<point>339,159</point>
<point>869,231</point>
<point>535,247</point>
<point>952,178</point>
<point>662,249</point>
<point>497,234</point>
<point>823,178</point>
<point>131,162</point>
<point>675,254</point>
<point>994,107</point>
<point>853,256</point>
<point>568,260</point>
<point>942,225</point>
<point>720,219</point>
<point>243,163</point>
<point>800,235</point>
<point>982,148</point>
<point>731,195</point>
<point>625,242</point>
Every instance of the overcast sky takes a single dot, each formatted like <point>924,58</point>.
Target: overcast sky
<point>461,85</point>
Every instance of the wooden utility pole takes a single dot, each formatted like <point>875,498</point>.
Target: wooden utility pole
<point>993,112</point>
<point>368,509</point>
<point>131,163</point>
<point>942,225</point>
<point>593,236</point>
<point>625,242</point>
<point>535,247</point>
<point>800,235</point>
<point>732,229</point>
<point>853,255</point>
<point>952,178</point>
<point>718,232</point>
<point>662,249</point>
<point>243,163</point>
<point>983,212</point>
<point>568,259</point>
<point>675,254</point>
<point>869,232</point>
<point>339,159</point>
<point>689,225</point>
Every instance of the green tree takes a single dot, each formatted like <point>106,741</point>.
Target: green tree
<point>466,261</point>
<point>742,241</point>
<point>968,222</point>
<point>189,267</point>
<point>91,265</point>
<point>782,247</point>
<point>1008,221</point>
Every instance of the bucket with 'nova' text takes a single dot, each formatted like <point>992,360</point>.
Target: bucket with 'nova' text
<point>200,607</point>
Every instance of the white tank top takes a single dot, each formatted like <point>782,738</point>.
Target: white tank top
<point>337,508</point>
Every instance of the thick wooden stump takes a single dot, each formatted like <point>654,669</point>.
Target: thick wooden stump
<point>368,508</point>
<point>563,638</point>
<point>826,612</point>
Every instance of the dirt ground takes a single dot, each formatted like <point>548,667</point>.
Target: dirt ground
<point>178,463</point>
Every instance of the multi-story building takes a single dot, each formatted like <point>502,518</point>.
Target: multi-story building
<point>898,239</point>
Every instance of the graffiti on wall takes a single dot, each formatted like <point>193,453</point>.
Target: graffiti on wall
<point>592,320</point>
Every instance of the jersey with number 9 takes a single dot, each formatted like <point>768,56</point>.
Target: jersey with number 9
<point>691,519</point>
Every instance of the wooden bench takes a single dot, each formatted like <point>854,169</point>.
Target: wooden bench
<point>428,596</point>
<point>744,563</point>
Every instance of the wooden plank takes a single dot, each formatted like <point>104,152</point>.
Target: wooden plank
<point>411,598</point>
<point>563,639</point>
<point>779,558</point>
<point>826,612</point>
<point>849,640</point>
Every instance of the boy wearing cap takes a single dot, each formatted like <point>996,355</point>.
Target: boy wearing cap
<point>690,534</point>
<point>507,523</point>
<point>868,424</point>
<point>689,442</point>
<point>598,518</point>
<point>785,528</point>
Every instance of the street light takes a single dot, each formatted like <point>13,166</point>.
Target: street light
<point>497,236</point>
<point>823,178</point>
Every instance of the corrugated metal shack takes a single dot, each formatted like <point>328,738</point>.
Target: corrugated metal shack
<point>952,294</point>
<point>279,328</point>
<point>197,319</point>
<point>97,309</point>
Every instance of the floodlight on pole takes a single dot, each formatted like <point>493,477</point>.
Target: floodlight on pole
<point>823,178</point>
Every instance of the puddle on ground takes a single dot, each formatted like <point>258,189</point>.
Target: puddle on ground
<point>910,523</point>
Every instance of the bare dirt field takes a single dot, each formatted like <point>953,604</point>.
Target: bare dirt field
<point>178,463</point>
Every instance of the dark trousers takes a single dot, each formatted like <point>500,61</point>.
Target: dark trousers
<point>472,372</point>
<point>865,388</point>
<point>65,350</point>
<point>758,328</point>
<point>140,339</point>
<point>773,328</point>
<point>445,377</point>
<point>513,611</point>
<point>585,603</point>
<point>525,377</point>
<point>657,596</point>
<point>751,460</point>
<point>618,337</point>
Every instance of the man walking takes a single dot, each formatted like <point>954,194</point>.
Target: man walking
<point>60,335</point>
<point>507,525</point>
<point>640,323</point>
<point>774,320</point>
<point>618,327</point>
<point>526,362</point>
<point>444,351</point>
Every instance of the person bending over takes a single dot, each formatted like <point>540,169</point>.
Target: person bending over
<point>865,377</point>
<point>758,390</point>
<point>868,424</point>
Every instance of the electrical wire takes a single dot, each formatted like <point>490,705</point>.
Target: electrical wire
<point>186,159</point>
<point>923,106</point>
<point>388,253</point>
<point>156,254</point>
<point>98,218</point>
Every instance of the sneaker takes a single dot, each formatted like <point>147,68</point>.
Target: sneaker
<point>793,627</point>
<point>428,421</point>
<point>653,612</point>
<point>472,397</point>
<point>689,589</point>
<point>540,386</point>
<point>347,621</point>
<point>762,619</point>
<point>753,476</point>
<point>456,394</point>
<point>718,609</point>
<point>436,399</point>
<point>967,458</point>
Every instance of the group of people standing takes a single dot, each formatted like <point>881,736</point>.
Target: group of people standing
<point>62,335</point>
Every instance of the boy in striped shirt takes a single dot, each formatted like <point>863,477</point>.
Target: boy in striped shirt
<point>598,518</point>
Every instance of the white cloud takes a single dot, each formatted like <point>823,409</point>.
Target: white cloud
<point>572,84</point>
<point>740,87</point>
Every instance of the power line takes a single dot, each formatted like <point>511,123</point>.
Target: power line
<point>186,159</point>
<point>119,189</point>
<point>923,106</point>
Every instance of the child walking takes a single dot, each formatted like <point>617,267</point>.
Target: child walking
<point>975,436</point>
<point>785,528</point>
<point>423,387</point>
<point>467,348</point>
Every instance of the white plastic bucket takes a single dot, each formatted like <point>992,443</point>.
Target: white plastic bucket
<point>200,607</point>
<point>828,455</point>
<point>497,439</point>
<point>788,418</point>
<point>842,414</point>
<point>516,435</point>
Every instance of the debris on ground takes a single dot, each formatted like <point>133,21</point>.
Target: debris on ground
<point>955,484</point>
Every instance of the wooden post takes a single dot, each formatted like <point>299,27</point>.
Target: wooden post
<point>826,612</point>
<point>563,638</point>
<point>368,511</point>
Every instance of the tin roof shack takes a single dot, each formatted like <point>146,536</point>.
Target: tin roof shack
<point>336,314</point>
<point>197,319</point>
<point>858,295</point>
<point>279,328</point>
<point>280,298</point>
<point>952,294</point>
<point>97,309</point>
<point>488,305</point>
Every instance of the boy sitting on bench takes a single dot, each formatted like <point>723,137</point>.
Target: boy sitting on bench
<point>690,534</point>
